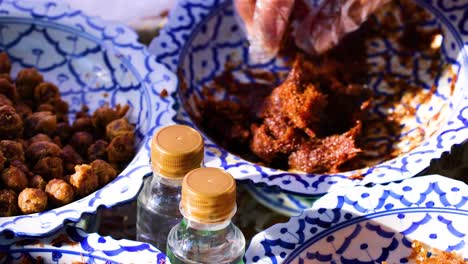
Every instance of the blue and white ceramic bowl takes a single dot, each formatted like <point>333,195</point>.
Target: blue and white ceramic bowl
<point>92,62</point>
<point>371,225</point>
<point>73,245</point>
<point>202,35</point>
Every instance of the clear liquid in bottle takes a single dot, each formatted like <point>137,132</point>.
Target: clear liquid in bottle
<point>207,235</point>
<point>157,211</point>
<point>224,246</point>
<point>175,150</point>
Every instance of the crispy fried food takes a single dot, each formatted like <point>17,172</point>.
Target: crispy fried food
<point>22,166</point>
<point>70,158</point>
<point>32,200</point>
<point>49,168</point>
<point>83,124</point>
<point>325,155</point>
<point>11,124</point>
<point>38,138</point>
<point>23,110</point>
<point>26,80</point>
<point>64,131</point>
<point>8,203</point>
<point>420,255</point>
<point>14,178</point>
<point>98,150</point>
<point>42,149</point>
<point>5,64</point>
<point>81,141</point>
<point>104,115</point>
<point>298,101</point>
<point>8,89</point>
<point>119,127</point>
<point>40,122</point>
<point>4,100</point>
<point>104,171</point>
<point>12,150</point>
<point>37,182</point>
<point>45,92</point>
<point>3,160</point>
<point>59,192</point>
<point>121,149</point>
<point>84,180</point>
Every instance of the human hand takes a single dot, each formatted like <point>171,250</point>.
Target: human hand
<point>317,25</point>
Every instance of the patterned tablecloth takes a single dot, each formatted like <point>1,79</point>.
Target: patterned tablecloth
<point>252,217</point>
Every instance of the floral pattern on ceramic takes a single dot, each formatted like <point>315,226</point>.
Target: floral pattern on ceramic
<point>371,225</point>
<point>73,245</point>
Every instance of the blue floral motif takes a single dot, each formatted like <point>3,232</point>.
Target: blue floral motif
<point>453,5</point>
<point>370,225</point>
<point>74,245</point>
<point>201,36</point>
<point>71,44</point>
<point>49,9</point>
<point>119,35</point>
<point>92,62</point>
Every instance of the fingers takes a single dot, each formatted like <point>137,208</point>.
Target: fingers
<point>325,26</point>
<point>270,20</point>
<point>245,10</point>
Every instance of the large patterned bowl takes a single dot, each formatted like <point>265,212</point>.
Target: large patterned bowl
<point>202,36</point>
<point>371,225</point>
<point>92,62</point>
<point>73,245</point>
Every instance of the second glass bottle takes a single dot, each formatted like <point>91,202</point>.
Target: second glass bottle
<point>175,150</point>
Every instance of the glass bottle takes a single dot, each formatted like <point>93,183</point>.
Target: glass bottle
<point>206,233</point>
<point>175,150</point>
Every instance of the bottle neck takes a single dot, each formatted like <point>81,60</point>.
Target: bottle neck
<point>161,180</point>
<point>197,225</point>
<point>163,190</point>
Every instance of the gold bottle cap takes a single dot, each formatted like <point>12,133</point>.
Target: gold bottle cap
<point>176,150</point>
<point>208,195</point>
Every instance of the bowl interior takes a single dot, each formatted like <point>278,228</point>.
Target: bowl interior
<point>86,71</point>
<point>218,42</point>
<point>371,225</point>
<point>384,237</point>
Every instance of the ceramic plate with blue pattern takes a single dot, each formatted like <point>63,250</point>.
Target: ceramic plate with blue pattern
<point>73,245</point>
<point>92,62</point>
<point>203,36</point>
<point>371,225</point>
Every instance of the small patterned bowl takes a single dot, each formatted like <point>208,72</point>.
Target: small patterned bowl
<point>73,245</point>
<point>203,35</point>
<point>371,225</point>
<point>92,62</point>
